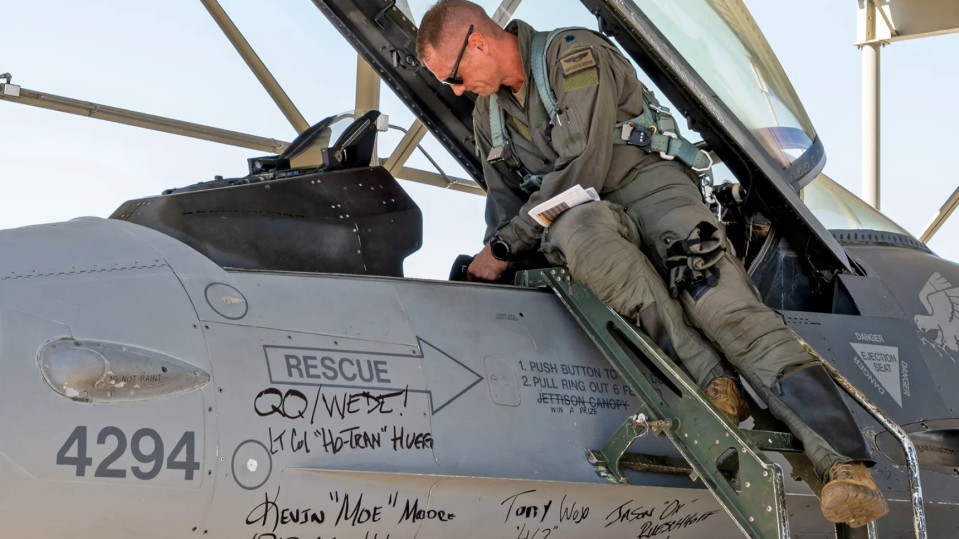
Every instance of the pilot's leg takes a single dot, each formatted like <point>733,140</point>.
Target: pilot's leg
<point>666,203</point>
<point>594,240</point>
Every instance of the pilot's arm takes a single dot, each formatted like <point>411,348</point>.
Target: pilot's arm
<point>586,74</point>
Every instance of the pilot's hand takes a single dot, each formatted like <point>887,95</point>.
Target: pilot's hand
<point>485,267</point>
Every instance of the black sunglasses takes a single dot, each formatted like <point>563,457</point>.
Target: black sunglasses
<point>453,80</point>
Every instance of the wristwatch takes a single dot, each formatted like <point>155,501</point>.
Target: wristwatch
<point>499,248</point>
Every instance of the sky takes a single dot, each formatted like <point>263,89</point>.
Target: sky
<point>171,59</point>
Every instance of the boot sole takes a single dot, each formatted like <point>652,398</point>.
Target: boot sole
<point>852,504</point>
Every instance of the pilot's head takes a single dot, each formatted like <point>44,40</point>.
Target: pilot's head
<point>459,31</point>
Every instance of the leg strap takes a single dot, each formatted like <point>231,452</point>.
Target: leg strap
<point>692,261</point>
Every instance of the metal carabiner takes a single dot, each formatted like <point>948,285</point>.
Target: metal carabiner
<point>661,110</point>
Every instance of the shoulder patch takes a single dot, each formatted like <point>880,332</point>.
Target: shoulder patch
<point>576,60</point>
<point>582,79</point>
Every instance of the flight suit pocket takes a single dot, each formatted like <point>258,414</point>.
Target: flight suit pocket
<point>569,136</point>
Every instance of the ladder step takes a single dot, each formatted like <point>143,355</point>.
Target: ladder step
<point>640,462</point>
<point>777,442</point>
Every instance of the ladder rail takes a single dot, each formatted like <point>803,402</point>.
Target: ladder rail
<point>767,519</point>
<point>912,458</point>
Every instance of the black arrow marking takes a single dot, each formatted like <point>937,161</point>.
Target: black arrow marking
<point>421,355</point>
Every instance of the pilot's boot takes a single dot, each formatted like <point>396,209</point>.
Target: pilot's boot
<point>725,395</point>
<point>851,496</point>
<point>810,403</point>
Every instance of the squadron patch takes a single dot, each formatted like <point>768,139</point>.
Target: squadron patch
<point>583,79</point>
<point>577,60</point>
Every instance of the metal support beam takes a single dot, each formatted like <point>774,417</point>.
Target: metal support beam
<point>870,125</point>
<point>367,87</point>
<point>431,178</point>
<point>405,148</point>
<point>367,94</point>
<point>505,11</point>
<point>139,119</point>
<point>870,107</point>
<point>902,20</point>
<point>15,94</point>
<point>940,218</point>
<point>885,18</point>
<point>256,65</point>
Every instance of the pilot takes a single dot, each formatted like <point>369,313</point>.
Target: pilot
<point>561,108</point>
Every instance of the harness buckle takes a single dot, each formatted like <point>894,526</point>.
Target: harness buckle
<point>498,153</point>
<point>708,158</point>
<point>637,135</point>
<point>665,155</point>
<point>531,183</point>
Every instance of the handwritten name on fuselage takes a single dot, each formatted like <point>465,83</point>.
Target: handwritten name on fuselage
<point>294,404</point>
<point>356,438</point>
<point>521,506</point>
<point>270,514</point>
<point>351,511</point>
<point>669,516</point>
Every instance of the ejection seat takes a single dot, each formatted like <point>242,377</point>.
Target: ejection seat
<point>317,207</point>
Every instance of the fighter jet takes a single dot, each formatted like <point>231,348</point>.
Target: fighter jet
<point>243,357</point>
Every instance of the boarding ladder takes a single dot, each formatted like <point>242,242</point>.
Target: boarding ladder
<point>731,462</point>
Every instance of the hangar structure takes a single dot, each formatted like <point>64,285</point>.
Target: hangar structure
<point>881,23</point>
<point>367,98</point>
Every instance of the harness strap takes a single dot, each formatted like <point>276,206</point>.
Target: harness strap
<point>541,41</point>
<point>502,149</point>
<point>653,137</point>
<point>537,60</point>
<point>655,130</point>
<point>497,122</point>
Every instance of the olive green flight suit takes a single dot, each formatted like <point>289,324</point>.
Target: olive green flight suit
<point>648,203</point>
<point>579,150</point>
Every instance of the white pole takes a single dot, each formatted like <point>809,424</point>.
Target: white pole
<point>870,124</point>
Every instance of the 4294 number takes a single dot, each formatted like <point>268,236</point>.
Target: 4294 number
<point>186,446</point>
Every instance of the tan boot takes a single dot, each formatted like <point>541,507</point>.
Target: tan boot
<point>726,396</point>
<point>851,496</point>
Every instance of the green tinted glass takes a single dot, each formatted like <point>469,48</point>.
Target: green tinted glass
<point>721,41</point>
<point>838,209</point>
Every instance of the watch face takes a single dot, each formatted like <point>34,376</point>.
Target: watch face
<point>499,249</point>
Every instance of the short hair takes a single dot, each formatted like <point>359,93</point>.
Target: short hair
<point>440,16</point>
